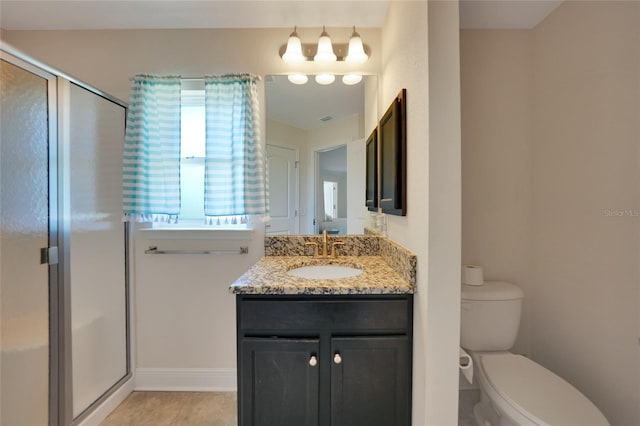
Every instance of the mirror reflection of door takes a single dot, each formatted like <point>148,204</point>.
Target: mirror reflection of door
<point>331,190</point>
<point>330,200</point>
<point>283,183</point>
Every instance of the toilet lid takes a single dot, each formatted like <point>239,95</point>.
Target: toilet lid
<point>537,393</point>
<point>491,290</point>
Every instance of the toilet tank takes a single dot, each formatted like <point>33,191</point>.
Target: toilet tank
<point>490,316</point>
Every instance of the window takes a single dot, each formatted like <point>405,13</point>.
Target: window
<point>192,146</point>
<point>192,159</point>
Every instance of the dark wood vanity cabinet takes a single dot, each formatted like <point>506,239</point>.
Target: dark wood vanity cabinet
<point>324,360</point>
<point>274,371</point>
<point>371,384</point>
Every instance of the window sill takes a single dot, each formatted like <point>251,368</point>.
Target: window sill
<point>188,233</point>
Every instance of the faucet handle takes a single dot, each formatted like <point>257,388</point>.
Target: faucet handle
<point>315,244</point>
<point>334,252</point>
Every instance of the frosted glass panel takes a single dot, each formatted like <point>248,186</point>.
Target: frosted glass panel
<point>24,283</point>
<point>97,257</point>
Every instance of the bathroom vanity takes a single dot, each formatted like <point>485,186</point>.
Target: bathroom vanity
<point>338,360</point>
<point>315,351</point>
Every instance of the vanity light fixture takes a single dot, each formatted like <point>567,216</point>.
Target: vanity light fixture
<point>356,53</point>
<point>298,78</point>
<point>293,55</point>
<point>351,79</point>
<point>325,53</point>
<point>325,78</point>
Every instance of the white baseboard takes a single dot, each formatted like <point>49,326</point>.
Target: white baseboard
<point>110,404</point>
<point>186,379</point>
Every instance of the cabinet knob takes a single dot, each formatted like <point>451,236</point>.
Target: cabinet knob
<point>313,361</point>
<point>337,358</point>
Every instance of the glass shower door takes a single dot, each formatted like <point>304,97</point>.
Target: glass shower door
<point>97,255</point>
<point>24,231</point>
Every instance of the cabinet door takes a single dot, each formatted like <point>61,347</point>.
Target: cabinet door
<point>370,381</point>
<point>278,382</point>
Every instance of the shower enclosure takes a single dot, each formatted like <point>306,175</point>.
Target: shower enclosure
<point>64,319</point>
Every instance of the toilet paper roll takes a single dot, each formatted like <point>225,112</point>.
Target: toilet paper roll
<point>472,275</point>
<point>466,365</point>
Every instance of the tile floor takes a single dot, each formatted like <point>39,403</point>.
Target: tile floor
<point>210,409</point>
<point>175,409</point>
<point>468,398</point>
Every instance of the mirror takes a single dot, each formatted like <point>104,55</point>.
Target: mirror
<point>315,139</point>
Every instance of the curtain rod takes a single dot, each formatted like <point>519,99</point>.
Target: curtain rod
<point>258,77</point>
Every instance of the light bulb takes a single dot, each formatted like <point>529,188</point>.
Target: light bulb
<point>325,49</point>
<point>325,79</point>
<point>298,78</point>
<point>356,53</point>
<point>293,54</point>
<point>351,79</point>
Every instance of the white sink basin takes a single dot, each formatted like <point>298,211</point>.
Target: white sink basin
<point>325,272</point>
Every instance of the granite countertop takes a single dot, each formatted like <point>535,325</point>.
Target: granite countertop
<point>269,276</point>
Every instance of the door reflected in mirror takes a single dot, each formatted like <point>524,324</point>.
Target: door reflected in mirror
<point>316,134</point>
<point>332,200</point>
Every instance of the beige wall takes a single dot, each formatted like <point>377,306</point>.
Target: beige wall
<point>541,194</point>
<point>497,78</point>
<point>443,265</point>
<point>586,272</point>
<point>420,53</point>
<point>107,59</point>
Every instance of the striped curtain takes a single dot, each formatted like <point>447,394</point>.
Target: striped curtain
<point>151,163</point>
<point>234,162</point>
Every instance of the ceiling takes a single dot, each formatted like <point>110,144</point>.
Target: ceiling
<point>504,14</point>
<point>143,14</point>
<point>304,106</point>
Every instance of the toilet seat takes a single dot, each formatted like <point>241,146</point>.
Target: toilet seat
<point>535,393</point>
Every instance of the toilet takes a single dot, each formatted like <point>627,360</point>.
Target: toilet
<point>514,390</point>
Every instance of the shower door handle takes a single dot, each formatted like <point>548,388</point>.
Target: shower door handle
<point>49,256</point>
